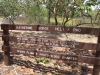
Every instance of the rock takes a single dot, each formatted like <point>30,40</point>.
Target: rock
<point>75,67</point>
<point>42,63</point>
<point>48,73</point>
<point>74,72</point>
<point>66,68</point>
<point>20,71</point>
<point>11,73</point>
<point>26,70</point>
<point>23,67</point>
<point>31,71</point>
<point>18,67</point>
<point>26,74</point>
<point>6,72</point>
<point>58,67</point>
<point>50,65</point>
<point>4,68</point>
<point>92,52</point>
<point>38,72</point>
<point>53,61</point>
<point>10,68</point>
<point>90,68</point>
<point>84,68</point>
<point>60,61</point>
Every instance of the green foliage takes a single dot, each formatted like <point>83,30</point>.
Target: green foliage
<point>35,12</point>
<point>10,8</point>
<point>43,60</point>
<point>84,8</point>
<point>79,2</point>
<point>91,3</point>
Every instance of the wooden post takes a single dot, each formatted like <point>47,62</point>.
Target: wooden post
<point>6,43</point>
<point>96,69</point>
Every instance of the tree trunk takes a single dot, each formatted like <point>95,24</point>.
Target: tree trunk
<point>65,22</point>
<point>49,16</point>
<point>55,16</point>
<point>66,19</point>
<point>63,18</point>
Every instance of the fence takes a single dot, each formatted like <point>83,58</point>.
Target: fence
<point>52,42</point>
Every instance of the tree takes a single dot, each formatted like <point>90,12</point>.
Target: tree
<point>51,5</point>
<point>10,9</point>
<point>68,9</point>
<point>72,8</point>
<point>35,11</point>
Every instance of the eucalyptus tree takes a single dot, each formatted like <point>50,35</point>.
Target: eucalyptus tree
<point>62,8</point>
<point>10,9</point>
<point>97,12</point>
<point>53,8</point>
<point>34,11</point>
<point>69,9</point>
<point>86,9</point>
<point>73,8</point>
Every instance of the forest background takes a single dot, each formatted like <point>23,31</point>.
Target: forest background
<point>52,12</point>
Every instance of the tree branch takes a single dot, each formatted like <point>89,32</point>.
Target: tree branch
<point>61,5</point>
<point>88,15</point>
<point>71,7</point>
<point>97,15</point>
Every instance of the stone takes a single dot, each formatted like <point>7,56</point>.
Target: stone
<point>76,68</point>
<point>10,68</point>
<point>11,73</point>
<point>8,73</point>
<point>18,67</point>
<point>26,74</point>
<point>60,61</point>
<point>58,67</point>
<point>84,68</point>
<point>20,71</point>
<point>14,55</point>
<point>31,70</point>
<point>5,73</point>
<point>26,70</point>
<point>38,74</point>
<point>53,61</point>
<point>50,65</point>
<point>42,63</point>
<point>37,71</point>
<point>92,52</point>
<point>48,73</point>
<point>32,73</point>
<point>66,68</point>
<point>23,67</point>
